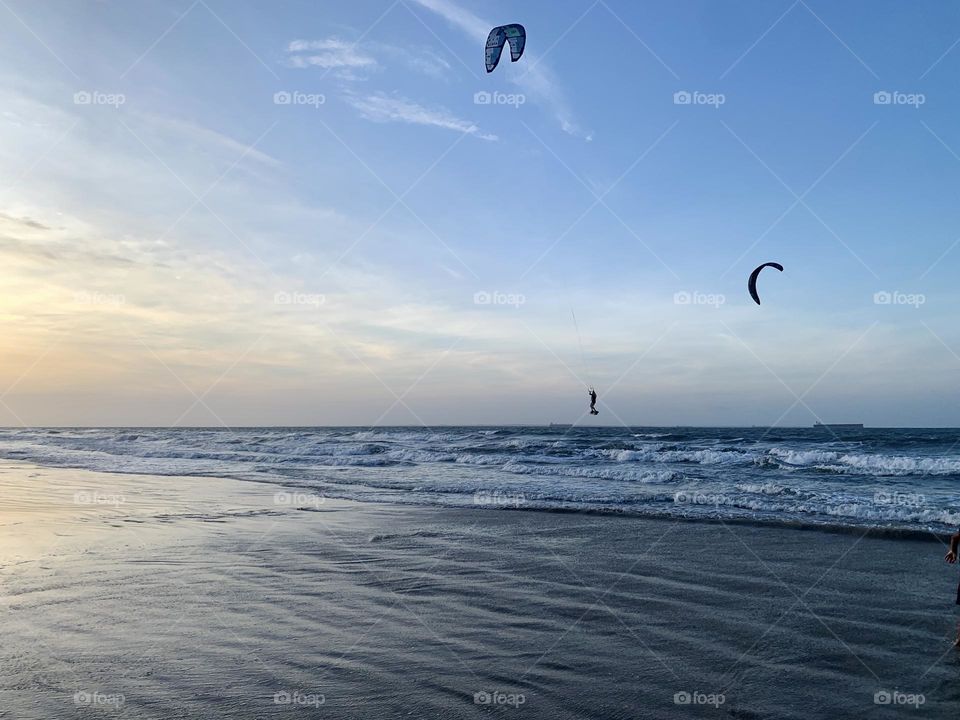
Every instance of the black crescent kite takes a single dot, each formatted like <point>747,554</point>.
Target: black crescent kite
<point>752,282</point>
<point>498,37</point>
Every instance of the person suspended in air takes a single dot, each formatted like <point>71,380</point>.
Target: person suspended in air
<point>593,402</point>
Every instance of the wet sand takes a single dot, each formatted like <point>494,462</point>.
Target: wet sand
<point>166,597</point>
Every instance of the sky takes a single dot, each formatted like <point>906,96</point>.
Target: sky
<point>228,213</point>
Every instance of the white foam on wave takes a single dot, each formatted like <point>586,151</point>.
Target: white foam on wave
<point>786,477</point>
<point>701,457</point>
<point>767,488</point>
<point>706,457</point>
<point>420,456</point>
<point>901,465</point>
<point>879,464</point>
<point>886,513</point>
<point>602,473</point>
<point>803,457</point>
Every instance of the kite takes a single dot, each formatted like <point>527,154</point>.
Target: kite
<point>514,34</point>
<point>752,282</point>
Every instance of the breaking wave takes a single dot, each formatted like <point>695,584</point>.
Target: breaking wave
<point>905,479</point>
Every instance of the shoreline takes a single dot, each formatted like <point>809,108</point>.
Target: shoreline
<point>895,533</point>
<point>377,610</point>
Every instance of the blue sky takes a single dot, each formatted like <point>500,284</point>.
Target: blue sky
<point>181,247</point>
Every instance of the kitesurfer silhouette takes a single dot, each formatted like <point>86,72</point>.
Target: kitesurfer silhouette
<point>593,402</point>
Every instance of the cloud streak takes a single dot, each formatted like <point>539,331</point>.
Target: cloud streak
<point>329,54</point>
<point>381,107</point>
<point>349,60</point>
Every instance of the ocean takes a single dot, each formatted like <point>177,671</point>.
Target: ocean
<point>474,572</point>
<point>898,480</point>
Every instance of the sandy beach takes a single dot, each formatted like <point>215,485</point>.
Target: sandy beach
<point>160,597</point>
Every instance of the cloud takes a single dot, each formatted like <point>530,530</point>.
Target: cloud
<point>329,54</point>
<point>420,60</point>
<point>347,59</point>
<point>385,108</point>
<point>474,26</point>
<point>208,138</point>
<point>536,80</point>
<point>25,221</point>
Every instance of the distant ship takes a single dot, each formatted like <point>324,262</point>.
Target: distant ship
<point>839,426</point>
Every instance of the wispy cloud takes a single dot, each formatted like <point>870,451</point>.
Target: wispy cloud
<point>420,60</point>
<point>207,137</point>
<point>381,107</point>
<point>329,54</point>
<point>537,81</point>
<point>349,60</point>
